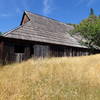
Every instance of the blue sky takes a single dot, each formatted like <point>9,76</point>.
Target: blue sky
<point>68,11</point>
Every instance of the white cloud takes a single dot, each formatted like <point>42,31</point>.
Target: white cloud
<point>18,10</point>
<point>5,15</point>
<point>87,2</point>
<point>90,2</point>
<point>47,7</point>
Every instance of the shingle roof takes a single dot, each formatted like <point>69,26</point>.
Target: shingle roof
<point>43,29</point>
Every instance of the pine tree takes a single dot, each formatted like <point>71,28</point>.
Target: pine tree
<point>91,12</point>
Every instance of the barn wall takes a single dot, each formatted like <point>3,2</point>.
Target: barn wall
<point>41,50</point>
<point>1,51</point>
<point>56,51</point>
<point>8,54</point>
<point>60,51</point>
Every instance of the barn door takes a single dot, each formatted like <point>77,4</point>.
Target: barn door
<point>41,51</point>
<point>19,57</point>
<point>19,53</point>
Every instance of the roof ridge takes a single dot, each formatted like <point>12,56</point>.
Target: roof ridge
<point>47,18</point>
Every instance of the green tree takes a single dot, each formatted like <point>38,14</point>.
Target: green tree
<point>90,30</point>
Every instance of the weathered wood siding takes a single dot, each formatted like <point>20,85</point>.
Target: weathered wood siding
<point>60,51</point>
<point>41,50</point>
<point>10,53</point>
<point>1,51</point>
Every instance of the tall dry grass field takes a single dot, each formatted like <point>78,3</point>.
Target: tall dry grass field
<point>52,79</point>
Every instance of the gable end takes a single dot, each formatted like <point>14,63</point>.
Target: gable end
<point>25,19</point>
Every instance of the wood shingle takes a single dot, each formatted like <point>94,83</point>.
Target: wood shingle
<point>43,29</point>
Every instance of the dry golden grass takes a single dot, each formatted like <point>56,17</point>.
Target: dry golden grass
<point>75,78</point>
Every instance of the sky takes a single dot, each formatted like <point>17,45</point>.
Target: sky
<point>67,11</point>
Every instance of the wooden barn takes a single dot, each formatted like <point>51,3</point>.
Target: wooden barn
<point>39,36</point>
